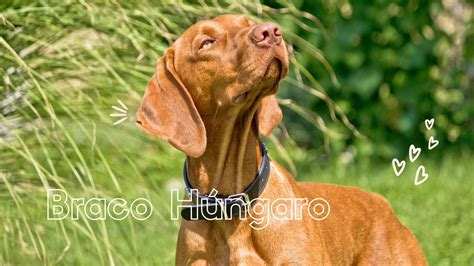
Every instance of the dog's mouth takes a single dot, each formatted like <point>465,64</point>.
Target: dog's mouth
<point>267,82</point>
<point>274,71</point>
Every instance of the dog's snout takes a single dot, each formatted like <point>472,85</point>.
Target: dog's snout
<point>266,35</point>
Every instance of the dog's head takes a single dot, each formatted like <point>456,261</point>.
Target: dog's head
<point>225,65</point>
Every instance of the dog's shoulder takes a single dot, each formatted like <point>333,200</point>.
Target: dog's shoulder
<point>346,197</point>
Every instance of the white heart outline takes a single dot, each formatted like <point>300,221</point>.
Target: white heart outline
<point>396,164</point>
<point>429,123</point>
<point>414,151</point>
<point>421,168</point>
<point>433,141</point>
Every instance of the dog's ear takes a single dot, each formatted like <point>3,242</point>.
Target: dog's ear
<point>168,111</point>
<point>269,115</point>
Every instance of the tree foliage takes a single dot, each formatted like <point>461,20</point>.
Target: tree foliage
<point>397,64</point>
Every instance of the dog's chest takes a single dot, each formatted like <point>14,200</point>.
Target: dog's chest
<point>217,242</point>
<point>222,243</point>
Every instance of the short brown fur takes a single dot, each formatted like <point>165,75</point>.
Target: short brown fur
<point>211,97</point>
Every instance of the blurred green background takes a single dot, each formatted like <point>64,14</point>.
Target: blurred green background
<point>364,76</point>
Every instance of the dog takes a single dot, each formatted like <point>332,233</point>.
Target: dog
<point>212,97</point>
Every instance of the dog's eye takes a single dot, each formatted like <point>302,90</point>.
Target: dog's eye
<point>206,43</point>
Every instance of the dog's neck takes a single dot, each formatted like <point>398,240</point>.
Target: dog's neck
<point>232,157</point>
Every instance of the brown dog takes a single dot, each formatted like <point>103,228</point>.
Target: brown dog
<point>211,97</point>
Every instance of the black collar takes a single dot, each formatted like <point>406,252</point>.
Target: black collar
<point>213,207</point>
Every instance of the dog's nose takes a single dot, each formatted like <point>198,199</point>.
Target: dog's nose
<point>266,35</point>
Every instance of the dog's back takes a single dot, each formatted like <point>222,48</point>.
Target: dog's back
<point>364,223</point>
